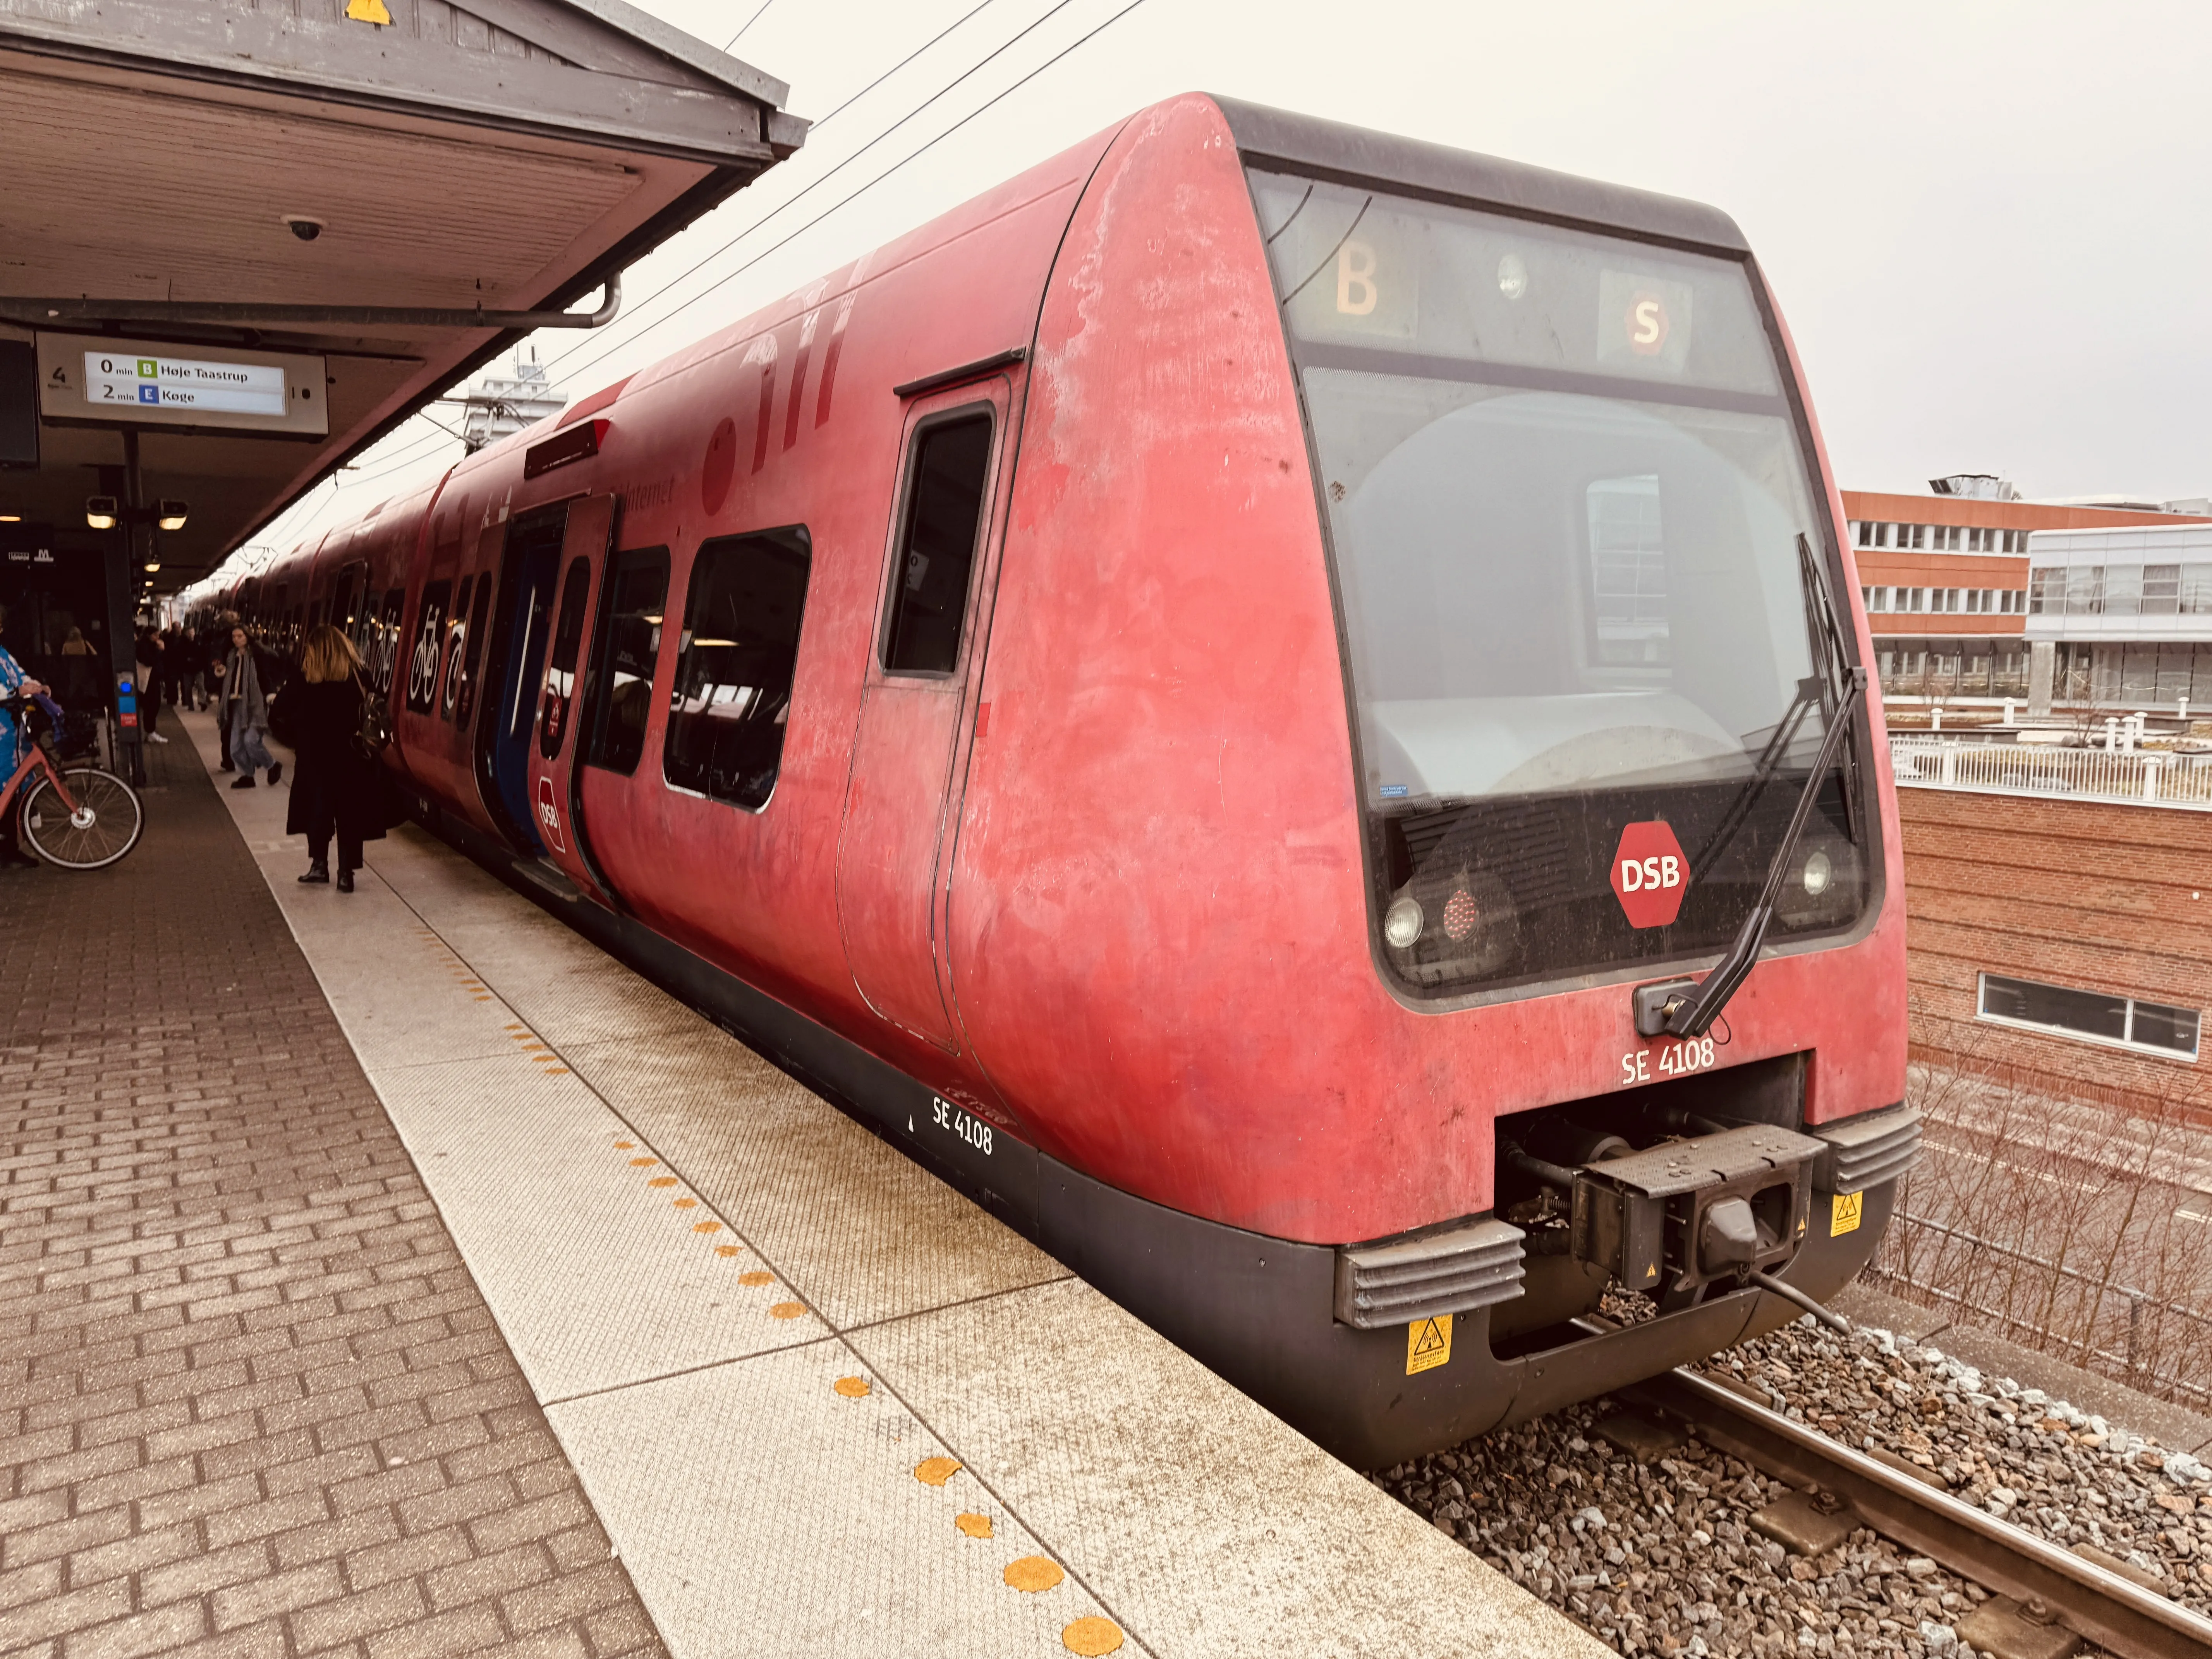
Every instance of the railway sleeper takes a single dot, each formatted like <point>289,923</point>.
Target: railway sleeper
<point>2045,1602</point>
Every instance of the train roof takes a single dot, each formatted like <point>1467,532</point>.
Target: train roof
<point>1305,144</point>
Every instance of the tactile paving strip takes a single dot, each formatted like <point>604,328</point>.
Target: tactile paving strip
<point>543,1090</point>
<point>845,1548</point>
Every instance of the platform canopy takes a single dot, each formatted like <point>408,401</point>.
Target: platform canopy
<point>246,194</point>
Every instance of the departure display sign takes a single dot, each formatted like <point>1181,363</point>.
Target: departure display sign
<point>97,380</point>
<point>184,383</point>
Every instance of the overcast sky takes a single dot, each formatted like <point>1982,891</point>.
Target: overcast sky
<point>1987,224</point>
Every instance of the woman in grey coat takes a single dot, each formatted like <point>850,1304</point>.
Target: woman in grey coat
<point>246,711</point>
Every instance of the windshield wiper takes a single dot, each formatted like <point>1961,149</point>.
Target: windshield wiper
<point>1688,1012</point>
<point>1822,688</point>
<point>1679,1011</point>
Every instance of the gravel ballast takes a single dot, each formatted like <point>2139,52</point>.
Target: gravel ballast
<point>1661,1558</point>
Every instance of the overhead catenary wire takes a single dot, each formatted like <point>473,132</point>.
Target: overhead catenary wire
<point>646,300</point>
<point>851,196</point>
<point>815,183</point>
<point>750,21</point>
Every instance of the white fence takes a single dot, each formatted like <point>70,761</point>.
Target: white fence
<point>2134,777</point>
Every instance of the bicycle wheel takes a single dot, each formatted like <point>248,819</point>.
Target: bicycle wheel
<point>107,824</point>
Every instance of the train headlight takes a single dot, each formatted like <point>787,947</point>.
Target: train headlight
<point>1401,923</point>
<point>1819,872</point>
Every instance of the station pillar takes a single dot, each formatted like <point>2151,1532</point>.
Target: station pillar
<point>123,559</point>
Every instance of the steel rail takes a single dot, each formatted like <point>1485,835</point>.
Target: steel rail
<point>2112,1611</point>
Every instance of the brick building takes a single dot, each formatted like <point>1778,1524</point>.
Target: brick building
<point>1945,577</point>
<point>2067,943</point>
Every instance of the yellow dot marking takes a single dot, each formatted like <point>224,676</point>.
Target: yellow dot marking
<point>485,996</point>
<point>707,1227</point>
<point>852,1388</point>
<point>643,1163</point>
<point>1033,1573</point>
<point>625,1145</point>
<point>662,1181</point>
<point>686,1203</point>
<point>936,1471</point>
<point>556,1071</point>
<point>976,1526</point>
<point>1092,1637</point>
<point>511,1027</point>
<point>726,1249</point>
<point>786,1311</point>
<point>755,1277</point>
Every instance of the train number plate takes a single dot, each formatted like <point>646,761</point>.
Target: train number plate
<point>953,1120</point>
<point>1668,1060</point>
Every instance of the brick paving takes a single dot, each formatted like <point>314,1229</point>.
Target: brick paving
<point>251,1401</point>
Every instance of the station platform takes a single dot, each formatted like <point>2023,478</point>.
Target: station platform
<point>813,1401</point>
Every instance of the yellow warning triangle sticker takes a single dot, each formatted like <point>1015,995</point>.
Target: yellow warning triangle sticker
<point>367,11</point>
<point>1428,1343</point>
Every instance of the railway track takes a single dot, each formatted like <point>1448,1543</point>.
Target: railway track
<point>2045,1598</point>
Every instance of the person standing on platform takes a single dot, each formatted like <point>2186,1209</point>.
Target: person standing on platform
<point>80,687</point>
<point>212,648</point>
<point>246,710</point>
<point>13,682</point>
<point>152,679</point>
<point>336,786</point>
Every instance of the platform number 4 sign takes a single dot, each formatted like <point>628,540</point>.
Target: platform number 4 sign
<point>1428,1344</point>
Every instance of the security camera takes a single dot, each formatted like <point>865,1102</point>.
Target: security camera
<point>303,226</point>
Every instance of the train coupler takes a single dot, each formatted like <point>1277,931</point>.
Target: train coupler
<point>1670,1220</point>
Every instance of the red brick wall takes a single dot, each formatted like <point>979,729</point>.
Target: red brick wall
<point>2105,897</point>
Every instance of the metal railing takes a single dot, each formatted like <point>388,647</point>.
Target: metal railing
<point>2115,1328</point>
<point>2133,777</point>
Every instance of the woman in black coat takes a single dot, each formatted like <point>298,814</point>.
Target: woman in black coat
<point>334,786</point>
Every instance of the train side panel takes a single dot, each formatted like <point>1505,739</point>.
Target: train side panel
<point>756,891</point>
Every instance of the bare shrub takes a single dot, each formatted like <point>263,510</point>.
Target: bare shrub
<point>2069,1226</point>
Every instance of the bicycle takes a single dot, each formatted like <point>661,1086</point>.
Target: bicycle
<point>76,819</point>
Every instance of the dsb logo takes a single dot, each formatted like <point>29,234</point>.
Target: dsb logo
<point>1650,874</point>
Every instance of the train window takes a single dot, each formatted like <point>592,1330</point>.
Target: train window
<point>619,688</point>
<point>732,697</point>
<point>1628,570</point>
<point>456,638</point>
<point>384,648</point>
<point>561,665</point>
<point>429,640</point>
<point>944,498</point>
<point>472,650</point>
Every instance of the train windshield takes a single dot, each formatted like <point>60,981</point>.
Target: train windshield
<point>1564,490</point>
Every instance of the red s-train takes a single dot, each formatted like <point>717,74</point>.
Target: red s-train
<point>1190,694</point>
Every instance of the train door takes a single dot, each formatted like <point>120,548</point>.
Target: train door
<point>528,561</point>
<point>566,716</point>
<point>617,695</point>
<point>889,850</point>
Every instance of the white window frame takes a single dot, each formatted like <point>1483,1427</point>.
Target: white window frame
<point>2154,1050</point>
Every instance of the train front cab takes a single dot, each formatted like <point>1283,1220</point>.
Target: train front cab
<point>1477,550</point>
